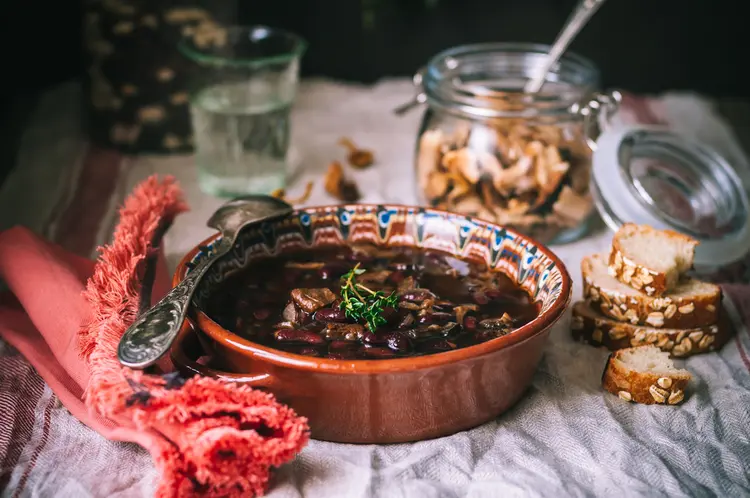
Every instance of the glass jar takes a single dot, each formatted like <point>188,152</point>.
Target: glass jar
<point>489,150</point>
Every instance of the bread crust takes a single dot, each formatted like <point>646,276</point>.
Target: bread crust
<point>591,327</point>
<point>639,277</point>
<point>681,312</point>
<point>643,387</point>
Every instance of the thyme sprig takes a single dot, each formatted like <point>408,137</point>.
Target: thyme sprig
<point>363,304</point>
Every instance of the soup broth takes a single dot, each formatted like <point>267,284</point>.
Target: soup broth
<point>369,302</point>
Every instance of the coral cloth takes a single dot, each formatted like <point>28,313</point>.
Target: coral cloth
<point>66,315</point>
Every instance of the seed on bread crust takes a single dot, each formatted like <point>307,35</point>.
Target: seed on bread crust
<point>676,397</point>
<point>664,382</point>
<point>687,308</point>
<point>660,395</point>
<point>655,319</point>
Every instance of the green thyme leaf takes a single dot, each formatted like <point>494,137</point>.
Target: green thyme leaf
<point>362,304</point>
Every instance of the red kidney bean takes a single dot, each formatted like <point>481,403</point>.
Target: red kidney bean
<point>303,317</point>
<point>329,315</point>
<point>397,342</point>
<point>370,338</point>
<point>470,322</point>
<point>416,333</point>
<point>390,314</point>
<point>316,327</point>
<point>298,335</point>
<point>435,317</point>
<point>333,270</point>
<point>342,345</point>
<point>376,352</point>
<point>261,314</point>
<point>436,346</point>
<point>396,277</point>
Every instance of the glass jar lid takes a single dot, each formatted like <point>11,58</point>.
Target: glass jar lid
<point>652,176</point>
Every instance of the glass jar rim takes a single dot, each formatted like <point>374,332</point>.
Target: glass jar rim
<point>297,47</point>
<point>575,75</point>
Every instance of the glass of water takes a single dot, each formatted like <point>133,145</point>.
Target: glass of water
<point>241,94</point>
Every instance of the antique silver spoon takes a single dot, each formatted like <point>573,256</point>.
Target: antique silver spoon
<point>150,337</point>
<point>577,20</point>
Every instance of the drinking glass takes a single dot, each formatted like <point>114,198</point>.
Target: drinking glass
<point>241,92</point>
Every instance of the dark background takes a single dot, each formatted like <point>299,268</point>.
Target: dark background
<point>641,45</point>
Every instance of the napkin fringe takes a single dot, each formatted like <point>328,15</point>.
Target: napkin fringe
<point>210,438</point>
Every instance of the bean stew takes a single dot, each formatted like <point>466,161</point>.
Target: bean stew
<point>369,302</point>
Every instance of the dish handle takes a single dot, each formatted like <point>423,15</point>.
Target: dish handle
<point>188,367</point>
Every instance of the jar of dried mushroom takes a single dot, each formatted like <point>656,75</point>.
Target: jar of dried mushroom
<point>487,149</point>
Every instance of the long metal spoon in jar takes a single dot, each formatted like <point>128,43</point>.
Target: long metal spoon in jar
<point>576,22</point>
<point>152,334</point>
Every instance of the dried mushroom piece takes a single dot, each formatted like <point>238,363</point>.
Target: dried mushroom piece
<point>428,160</point>
<point>463,161</point>
<point>337,185</point>
<point>280,193</point>
<point>359,158</point>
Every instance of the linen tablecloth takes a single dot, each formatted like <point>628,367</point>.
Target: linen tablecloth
<point>566,438</point>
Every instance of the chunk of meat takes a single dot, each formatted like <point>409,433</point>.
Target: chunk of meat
<point>311,300</point>
<point>377,277</point>
<point>407,284</point>
<point>343,331</point>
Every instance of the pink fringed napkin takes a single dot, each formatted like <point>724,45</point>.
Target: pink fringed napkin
<point>206,437</point>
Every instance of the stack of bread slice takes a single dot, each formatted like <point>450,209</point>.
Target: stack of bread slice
<point>638,294</point>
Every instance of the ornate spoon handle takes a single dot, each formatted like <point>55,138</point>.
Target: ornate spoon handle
<point>151,335</point>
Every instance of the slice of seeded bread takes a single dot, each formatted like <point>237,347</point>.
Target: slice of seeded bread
<point>591,327</point>
<point>690,304</point>
<point>650,260</point>
<point>645,374</point>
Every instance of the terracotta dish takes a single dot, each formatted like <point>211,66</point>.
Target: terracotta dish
<point>385,400</point>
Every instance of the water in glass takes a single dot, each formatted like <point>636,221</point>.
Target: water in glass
<point>242,137</point>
